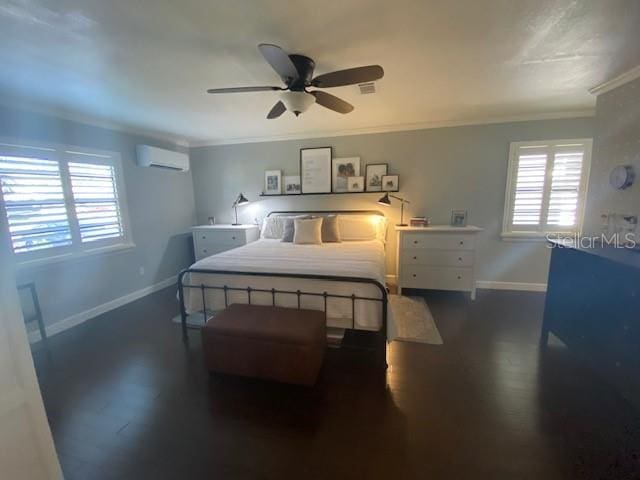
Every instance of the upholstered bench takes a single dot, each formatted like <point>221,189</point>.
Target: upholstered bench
<point>274,343</point>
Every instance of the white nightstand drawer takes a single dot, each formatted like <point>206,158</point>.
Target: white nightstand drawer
<point>212,239</point>
<point>221,237</point>
<point>445,258</point>
<point>438,241</point>
<point>208,249</point>
<point>437,278</point>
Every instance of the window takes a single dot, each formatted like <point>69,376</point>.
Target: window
<point>546,188</point>
<point>61,201</point>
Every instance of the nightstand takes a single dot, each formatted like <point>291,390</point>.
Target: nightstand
<point>437,257</point>
<point>211,239</point>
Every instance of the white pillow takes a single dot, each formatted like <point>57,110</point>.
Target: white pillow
<point>363,227</point>
<point>272,227</point>
<point>307,231</point>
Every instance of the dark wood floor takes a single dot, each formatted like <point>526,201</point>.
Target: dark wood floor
<point>126,400</point>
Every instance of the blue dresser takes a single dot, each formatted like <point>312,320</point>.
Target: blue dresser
<point>593,306</point>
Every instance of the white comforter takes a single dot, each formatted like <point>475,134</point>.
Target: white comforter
<point>351,259</point>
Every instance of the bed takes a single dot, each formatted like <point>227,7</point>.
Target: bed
<point>346,280</point>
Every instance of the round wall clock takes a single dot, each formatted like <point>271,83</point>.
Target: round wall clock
<point>622,177</point>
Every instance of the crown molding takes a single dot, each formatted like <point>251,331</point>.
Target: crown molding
<point>616,82</point>
<point>187,142</point>
<point>397,128</point>
<point>96,121</point>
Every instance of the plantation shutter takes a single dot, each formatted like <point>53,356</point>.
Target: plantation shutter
<point>546,187</point>
<point>95,198</point>
<point>34,203</point>
<point>566,179</point>
<point>529,187</point>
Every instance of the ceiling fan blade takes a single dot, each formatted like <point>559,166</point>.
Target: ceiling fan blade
<point>277,110</point>
<point>332,102</point>
<point>279,61</point>
<point>350,76</point>
<point>243,89</point>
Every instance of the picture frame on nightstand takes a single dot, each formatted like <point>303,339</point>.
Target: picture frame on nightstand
<point>458,218</point>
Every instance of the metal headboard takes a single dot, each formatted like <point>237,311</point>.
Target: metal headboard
<point>326,212</point>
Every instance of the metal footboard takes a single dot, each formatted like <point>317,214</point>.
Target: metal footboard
<point>381,344</point>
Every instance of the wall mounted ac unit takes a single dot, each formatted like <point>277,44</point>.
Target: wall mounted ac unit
<point>147,156</point>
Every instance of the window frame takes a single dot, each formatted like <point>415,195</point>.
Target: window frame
<point>63,154</point>
<point>541,231</point>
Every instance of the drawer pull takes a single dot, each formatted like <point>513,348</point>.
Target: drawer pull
<point>459,277</point>
<point>415,258</point>
<point>414,275</point>
<point>459,259</point>
<point>233,238</point>
<point>461,242</point>
<point>204,237</point>
<point>415,242</point>
<point>205,250</point>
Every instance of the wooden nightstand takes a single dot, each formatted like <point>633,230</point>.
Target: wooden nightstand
<point>437,257</point>
<point>211,239</point>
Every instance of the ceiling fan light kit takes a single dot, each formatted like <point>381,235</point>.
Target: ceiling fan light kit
<point>296,71</point>
<point>297,102</point>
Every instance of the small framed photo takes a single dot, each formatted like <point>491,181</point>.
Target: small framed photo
<point>458,218</point>
<point>390,183</point>
<point>292,185</point>
<point>355,184</point>
<point>374,175</point>
<point>341,170</point>
<point>273,182</point>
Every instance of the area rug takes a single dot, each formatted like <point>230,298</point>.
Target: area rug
<point>193,320</point>
<point>413,319</point>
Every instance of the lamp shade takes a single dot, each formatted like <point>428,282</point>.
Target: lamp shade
<point>385,200</point>
<point>242,200</point>
<point>297,102</point>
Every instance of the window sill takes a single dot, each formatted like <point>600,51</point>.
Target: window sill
<point>531,236</point>
<point>75,256</point>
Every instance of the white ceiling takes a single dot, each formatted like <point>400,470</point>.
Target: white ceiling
<point>146,64</point>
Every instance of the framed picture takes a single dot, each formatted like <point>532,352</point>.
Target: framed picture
<point>315,170</point>
<point>375,172</point>
<point>341,170</point>
<point>355,184</point>
<point>292,184</point>
<point>458,218</point>
<point>390,183</point>
<point>273,182</point>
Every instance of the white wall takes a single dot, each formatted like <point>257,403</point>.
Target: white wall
<point>440,170</point>
<point>161,208</point>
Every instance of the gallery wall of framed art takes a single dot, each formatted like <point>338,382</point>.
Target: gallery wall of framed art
<point>322,173</point>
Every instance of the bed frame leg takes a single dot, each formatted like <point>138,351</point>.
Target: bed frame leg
<point>382,351</point>
<point>183,310</point>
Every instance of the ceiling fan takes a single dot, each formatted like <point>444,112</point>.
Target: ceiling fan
<point>296,71</point>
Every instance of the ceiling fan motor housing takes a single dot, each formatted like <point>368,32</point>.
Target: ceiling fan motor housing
<point>305,67</point>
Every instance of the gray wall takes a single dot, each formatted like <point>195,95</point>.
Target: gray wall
<point>440,169</point>
<point>161,209</point>
<point>617,142</point>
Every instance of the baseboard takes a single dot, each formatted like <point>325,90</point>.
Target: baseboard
<point>520,286</point>
<point>82,317</point>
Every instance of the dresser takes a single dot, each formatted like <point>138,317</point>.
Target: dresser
<point>211,239</point>
<point>439,257</point>
<point>592,305</point>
